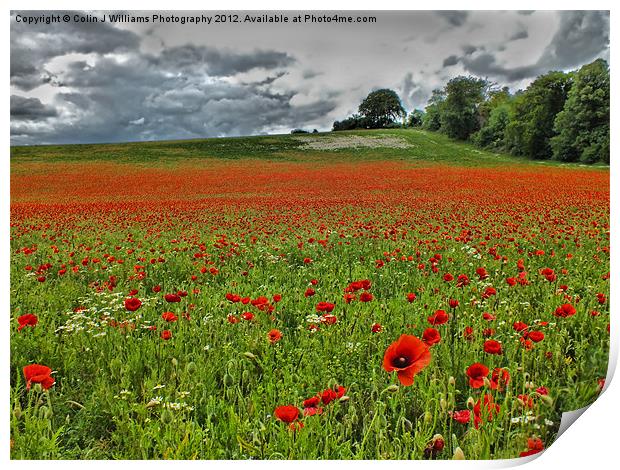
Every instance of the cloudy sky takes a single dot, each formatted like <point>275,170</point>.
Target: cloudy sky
<point>101,82</point>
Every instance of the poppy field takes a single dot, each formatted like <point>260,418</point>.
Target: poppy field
<point>255,298</point>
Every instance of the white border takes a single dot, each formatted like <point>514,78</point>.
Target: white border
<point>591,443</point>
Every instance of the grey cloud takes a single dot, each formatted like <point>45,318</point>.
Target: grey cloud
<point>581,37</point>
<point>468,49</point>
<point>521,34</point>
<point>454,17</point>
<point>221,63</point>
<point>30,109</point>
<point>115,97</point>
<point>58,39</point>
<point>450,61</point>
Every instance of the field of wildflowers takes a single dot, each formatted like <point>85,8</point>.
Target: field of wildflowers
<point>282,307</point>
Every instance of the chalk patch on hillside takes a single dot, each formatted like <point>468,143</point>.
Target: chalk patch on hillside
<point>352,141</point>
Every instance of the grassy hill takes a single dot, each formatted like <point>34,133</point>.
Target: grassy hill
<point>394,144</point>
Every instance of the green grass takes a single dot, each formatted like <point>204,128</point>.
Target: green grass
<point>425,147</point>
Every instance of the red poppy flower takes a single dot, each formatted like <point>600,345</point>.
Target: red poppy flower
<point>519,326</point>
<point>169,316</point>
<point>313,410</point>
<point>488,316</point>
<point>492,347</point>
<point>325,307</point>
<point>482,273</point>
<point>431,336</point>
<point>376,328</point>
<point>525,400</point>
<point>274,336</point>
<point>536,336</point>
<point>440,317</point>
<point>448,277</point>
<point>166,334</point>
<point>172,298</point>
<point>542,391</point>
<point>476,373</point>
<point>287,413</point>
<point>485,408</point>
<point>329,319</point>
<point>27,320</point>
<point>348,298</point>
<point>411,297</point>
<point>312,401</point>
<point>38,374</point>
<point>453,303</point>
<point>534,446</point>
<point>232,319</point>
<point>132,304</point>
<point>468,333</point>
<point>499,378</point>
<point>309,292</point>
<point>248,316</point>
<point>462,416</point>
<point>408,356</point>
<point>366,297</point>
<point>328,395</point>
<point>277,298</point>
<point>566,310</point>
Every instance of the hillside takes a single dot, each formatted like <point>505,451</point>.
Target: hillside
<point>394,144</point>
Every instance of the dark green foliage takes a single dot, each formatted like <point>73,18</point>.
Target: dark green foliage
<point>432,116</point>
<point>491,135</point>
<point>459,111</point>
<point>534,112</point>
<point>351,123</point>
<point>416,118</point>
<point>582,127</point>
<point>381,108</point>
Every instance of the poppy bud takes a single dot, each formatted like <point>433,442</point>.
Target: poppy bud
<point>408,425</point>
<point>443,404</point>
<point>344,398</point>
<point>166,416</point>
<point>245,376</point>
<point>547,400</point>
<point>152,403</point>
<point>191,368</point>
<point>44,412</point>
<point>530,385</point>
<point>458,454</point>
<point>174,361</point>
<point>17,411</point>
<point>470,402</point>
<point>428,417</point>
<point>250,356</point>
<point>487,382</point>
<point>452,381</point>
<point>228,380</point>
<point>392,388</point>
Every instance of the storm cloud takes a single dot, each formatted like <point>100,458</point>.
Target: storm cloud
<point>101,82</point>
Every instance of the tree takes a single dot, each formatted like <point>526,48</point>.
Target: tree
<point>459,111</point>
<point>492,134</point>
<point>416,118</point>
<point>352,122</point>
<point>381,108</point>
<point>493,116</point>
<point>582,127</point>
<point>432,112</point>
<point>533,113</point>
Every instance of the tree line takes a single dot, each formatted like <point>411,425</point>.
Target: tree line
<point>560,116</point>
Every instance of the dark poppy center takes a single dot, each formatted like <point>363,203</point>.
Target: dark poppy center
<point>400,361</point>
